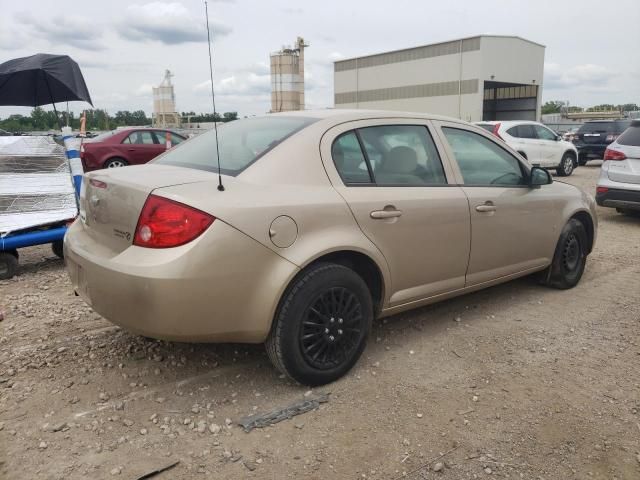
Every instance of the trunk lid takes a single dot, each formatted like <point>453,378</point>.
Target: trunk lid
<point>111,200</point>
<point>625,171</point>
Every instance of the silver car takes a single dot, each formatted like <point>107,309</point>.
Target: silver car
<point>619,182</point>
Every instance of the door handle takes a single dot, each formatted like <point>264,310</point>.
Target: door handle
<point>486,207</point>
<point>382,214</point>
<point>131,149</point>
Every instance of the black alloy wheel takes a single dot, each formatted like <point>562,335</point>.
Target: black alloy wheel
<point>332,329</point>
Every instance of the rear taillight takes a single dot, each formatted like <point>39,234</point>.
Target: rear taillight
<point>496,127</point>
<point>164,223</point>
<point>610,154</point>
<point>602,189</point>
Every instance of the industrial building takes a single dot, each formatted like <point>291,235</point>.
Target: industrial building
<point>164,104</point>
<point>287,78</point>
<point>487,77</point>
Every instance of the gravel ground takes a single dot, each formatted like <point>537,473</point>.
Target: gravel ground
<point>517,381</point>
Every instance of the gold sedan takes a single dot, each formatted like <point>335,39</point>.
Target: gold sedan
<point>326,220</point>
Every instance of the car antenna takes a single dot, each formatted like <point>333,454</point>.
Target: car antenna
<point>213,99</point>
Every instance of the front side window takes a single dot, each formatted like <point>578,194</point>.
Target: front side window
<point>162,138</point>
<point>522,131</point>
<point>544,133</point>
<point>482,162</point>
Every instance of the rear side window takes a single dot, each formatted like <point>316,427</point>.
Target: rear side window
<point>631,137</point>
<point>390,155</point>
<point>522,131</point>
<point>349,159</point>
<point>481,161</point>
<point>488,127</point>
<point>141,138</point>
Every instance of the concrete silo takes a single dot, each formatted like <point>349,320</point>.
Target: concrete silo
<point>164,104</point>
<point>287,78</point>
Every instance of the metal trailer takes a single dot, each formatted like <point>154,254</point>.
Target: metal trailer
<point>44,230</point>
<point>40,79</point>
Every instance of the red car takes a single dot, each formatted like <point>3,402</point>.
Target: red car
<point>128,146</point>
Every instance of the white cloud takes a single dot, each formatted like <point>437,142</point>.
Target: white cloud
<point>588,75</point>
<point>77,31</point>
<point>335,56</point>
<point>144,90</point>
<point>168,23</point>
<point>240,83</point>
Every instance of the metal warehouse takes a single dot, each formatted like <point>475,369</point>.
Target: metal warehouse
<point>487,77</point>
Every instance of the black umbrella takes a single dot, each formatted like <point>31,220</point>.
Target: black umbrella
<point>41,79</point>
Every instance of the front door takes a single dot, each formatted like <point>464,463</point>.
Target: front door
<point>397,188</point>
<point>510,222</point>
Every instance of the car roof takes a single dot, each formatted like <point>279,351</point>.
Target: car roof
<point>345,115</point>
<point>508,123</point>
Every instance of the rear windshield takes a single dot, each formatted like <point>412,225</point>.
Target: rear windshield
<point>631,137</point>
<point>241,143</point>
<point>101,137</point>
<point>604,127</point>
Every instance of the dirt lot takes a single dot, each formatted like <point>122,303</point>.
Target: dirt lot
<point>517,381</point>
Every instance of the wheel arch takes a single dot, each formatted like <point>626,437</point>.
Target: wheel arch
<point>361,263</point>
<point>573,154</point>
<point>586,220</point>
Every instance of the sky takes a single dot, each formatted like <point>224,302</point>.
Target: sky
<point>124,47</point>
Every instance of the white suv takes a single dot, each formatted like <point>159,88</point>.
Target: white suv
<point>537,143</point>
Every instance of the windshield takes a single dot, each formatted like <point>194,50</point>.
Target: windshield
<point>241,143</point>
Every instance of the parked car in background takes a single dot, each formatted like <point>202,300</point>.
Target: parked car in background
<point>594,136</point>
<point>619,182</point>
<point>327,220</point>
<point>537,143</point>
<point>128,146</point>
<point>570,135</point>
<point>4,133</point>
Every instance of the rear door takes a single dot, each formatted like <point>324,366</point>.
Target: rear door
<point>405,201</point>
<point>510,222</point>
<point>548,145</point>
<point>525,140</point>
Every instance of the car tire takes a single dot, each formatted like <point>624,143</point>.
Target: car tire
<point>569,259</point>
<point>115,162</point>
<point>8,264</point>
<point>582,160</point>
<point>566,165</point>
<point>58,249</point>
<point>322,325</point>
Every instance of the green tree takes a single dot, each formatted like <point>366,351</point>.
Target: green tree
<point>229,116</point>
<point>553,106</point>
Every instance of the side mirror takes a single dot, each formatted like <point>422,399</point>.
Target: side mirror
<point>538,177</point>
<point>558,138</point>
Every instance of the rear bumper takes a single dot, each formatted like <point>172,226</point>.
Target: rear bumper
<point>222,287</point>
<point>618,198</point>
<point>595,151</point>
